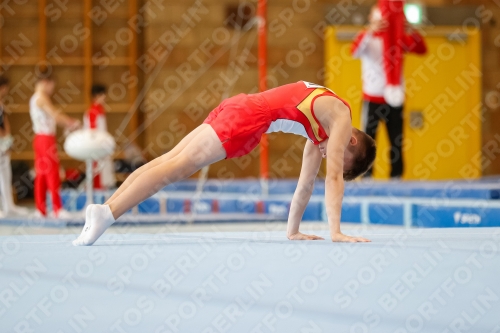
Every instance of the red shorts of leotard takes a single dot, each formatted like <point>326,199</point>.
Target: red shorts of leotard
<point>239,122</point>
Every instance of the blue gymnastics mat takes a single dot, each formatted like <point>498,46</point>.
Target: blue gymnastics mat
<point>406,280</point>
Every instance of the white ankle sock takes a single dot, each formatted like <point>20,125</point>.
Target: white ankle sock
<point>98,219</point>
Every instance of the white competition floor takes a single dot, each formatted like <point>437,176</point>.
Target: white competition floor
<point>406,280</point>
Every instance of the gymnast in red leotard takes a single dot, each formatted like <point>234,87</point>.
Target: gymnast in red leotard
<point>233,129</point>
<point>240,121</point>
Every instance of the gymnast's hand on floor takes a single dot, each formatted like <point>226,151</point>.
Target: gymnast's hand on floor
<point>301,236</point>
<point>340,237</point>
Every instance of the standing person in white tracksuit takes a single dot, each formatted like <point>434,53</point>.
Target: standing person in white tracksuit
<point>6,140</point>
<point>368,46</point>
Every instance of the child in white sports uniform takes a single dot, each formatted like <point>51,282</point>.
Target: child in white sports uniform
<point>6,141</point>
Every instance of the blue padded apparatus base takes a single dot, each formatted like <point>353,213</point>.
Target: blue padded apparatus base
<point>423,189</point>
<point>457,203</point>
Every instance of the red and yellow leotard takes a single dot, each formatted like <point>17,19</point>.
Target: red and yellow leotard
<point>241,120</point>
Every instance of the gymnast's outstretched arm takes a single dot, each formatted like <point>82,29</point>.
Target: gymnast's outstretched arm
<point>311,161</point>
<point>339,138</point>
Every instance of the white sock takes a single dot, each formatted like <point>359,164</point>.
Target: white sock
<point>98,219</point>
<point>86,226</point>
<point>87,220</point>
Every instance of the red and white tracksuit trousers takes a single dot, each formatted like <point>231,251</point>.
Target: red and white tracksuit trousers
<point>47,172</point>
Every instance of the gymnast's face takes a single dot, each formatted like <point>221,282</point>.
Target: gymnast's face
<point>375,15</point>
<point>48,86</point>
<point>100,99</point>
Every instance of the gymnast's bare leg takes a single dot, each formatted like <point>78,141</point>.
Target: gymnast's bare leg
<point>200,148</point>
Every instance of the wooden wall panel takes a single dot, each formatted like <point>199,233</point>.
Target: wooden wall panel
<point>65,39</point>
<point>69,35</point>
<point>20,9</point>
<point>110,39</point>
<point>22,32</point>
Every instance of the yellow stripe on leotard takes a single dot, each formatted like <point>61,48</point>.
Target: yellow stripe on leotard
<point>305,108</point>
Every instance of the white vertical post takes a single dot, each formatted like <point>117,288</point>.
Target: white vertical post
<point>407,213</point>
<point>365,214</point>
